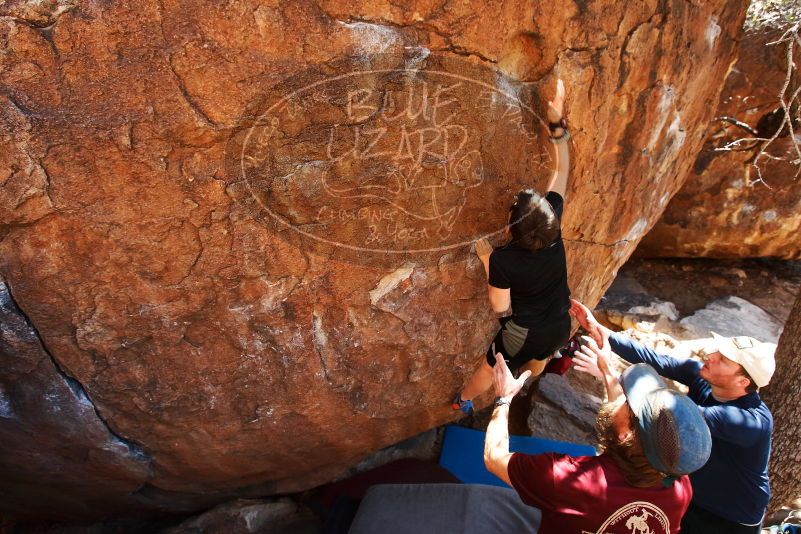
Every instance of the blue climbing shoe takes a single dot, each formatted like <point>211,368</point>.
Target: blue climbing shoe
<point>466,406</point>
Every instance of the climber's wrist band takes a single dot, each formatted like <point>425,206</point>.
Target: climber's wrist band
<point>501,401</point>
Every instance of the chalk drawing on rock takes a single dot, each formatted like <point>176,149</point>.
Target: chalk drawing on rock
<point>410,164</point>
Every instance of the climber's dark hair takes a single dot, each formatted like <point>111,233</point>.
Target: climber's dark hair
<point>533,222</point>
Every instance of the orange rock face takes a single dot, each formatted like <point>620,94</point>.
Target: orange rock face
<point>724,210</point>
<point>244,231</point>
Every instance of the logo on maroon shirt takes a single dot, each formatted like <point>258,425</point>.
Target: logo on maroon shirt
<point>635,518</point>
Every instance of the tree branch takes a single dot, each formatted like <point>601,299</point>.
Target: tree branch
<point>792,39</point>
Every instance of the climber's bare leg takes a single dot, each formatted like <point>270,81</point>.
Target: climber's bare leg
<point>479,382</point>
<point>535,366</point>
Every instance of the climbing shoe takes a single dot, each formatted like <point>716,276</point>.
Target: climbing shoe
<point>466,406</point>
<point>563,359</point>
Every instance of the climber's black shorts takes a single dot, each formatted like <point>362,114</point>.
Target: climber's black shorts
<point>520,345</point>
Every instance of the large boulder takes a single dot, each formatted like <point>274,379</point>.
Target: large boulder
<point>728,209</point>
<point>243,230</point>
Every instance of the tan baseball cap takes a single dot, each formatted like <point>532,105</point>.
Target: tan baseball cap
<point>757,358</point>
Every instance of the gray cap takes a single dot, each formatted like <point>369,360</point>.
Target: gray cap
<point>674,434</point>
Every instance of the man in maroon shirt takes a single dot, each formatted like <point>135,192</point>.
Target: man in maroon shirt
<point>652,437</point>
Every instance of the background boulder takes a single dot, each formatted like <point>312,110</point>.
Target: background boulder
<point>724,210</point>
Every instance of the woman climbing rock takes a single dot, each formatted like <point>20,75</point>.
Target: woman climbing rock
<point>529,273</point>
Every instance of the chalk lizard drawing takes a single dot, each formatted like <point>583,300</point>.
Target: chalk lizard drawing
<point>424,172</point>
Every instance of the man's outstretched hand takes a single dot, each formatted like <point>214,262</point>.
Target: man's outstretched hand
<point>585,318</point>
<point>506,385</point>
<point>592,359</point>
<point>595,360</point>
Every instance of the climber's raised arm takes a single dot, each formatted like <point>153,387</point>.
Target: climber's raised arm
<point>559,136</point>
<point>528,273</point>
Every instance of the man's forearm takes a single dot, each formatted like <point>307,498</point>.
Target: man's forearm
<point>683,371</point>
<point>496,444</point>
<point>612,383</point>
<point>497,441</point>
<point>634,352</point>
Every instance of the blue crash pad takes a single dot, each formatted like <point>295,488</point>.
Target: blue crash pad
<point>463,453</point>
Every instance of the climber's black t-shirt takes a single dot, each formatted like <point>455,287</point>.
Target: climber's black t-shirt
<point>537,278</point>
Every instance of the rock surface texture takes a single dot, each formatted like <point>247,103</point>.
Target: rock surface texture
<point>253,264</point>
<point>723,211</point>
